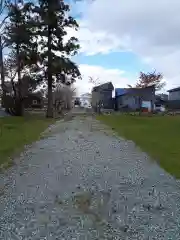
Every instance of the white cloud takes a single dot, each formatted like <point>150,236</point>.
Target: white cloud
<point>149,28</point>
<point>94,42</point>
<point>116,76</point>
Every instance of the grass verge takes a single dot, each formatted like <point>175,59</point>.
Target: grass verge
<point>159,136</point>
<point>16,132</point>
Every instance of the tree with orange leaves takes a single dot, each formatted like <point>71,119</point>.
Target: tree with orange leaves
<point>149,79</point>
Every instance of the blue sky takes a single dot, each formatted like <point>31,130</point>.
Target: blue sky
<point>123,60</point>
<point>120,38</point>
<point>128,62</point>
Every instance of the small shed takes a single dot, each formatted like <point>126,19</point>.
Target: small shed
<point>102,96</point>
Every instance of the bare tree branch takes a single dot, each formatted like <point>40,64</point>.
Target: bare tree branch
<point>94,81</point>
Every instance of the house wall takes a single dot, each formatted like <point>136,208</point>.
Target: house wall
<point>173,105</point>
<point>103,96</point>
<point>29,102</point>
<point>132,99</point>
<point>106,98</point>
<point>174,95</point>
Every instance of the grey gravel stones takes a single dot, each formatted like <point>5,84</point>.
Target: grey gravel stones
<point>85,183</point>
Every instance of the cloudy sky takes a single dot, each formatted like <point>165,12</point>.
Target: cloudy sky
<point>120,38</point>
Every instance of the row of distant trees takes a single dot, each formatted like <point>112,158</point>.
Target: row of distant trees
<point>34,34</point>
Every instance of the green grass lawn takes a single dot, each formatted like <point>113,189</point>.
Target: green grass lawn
<point>15,132</point>
<point>159,136</point>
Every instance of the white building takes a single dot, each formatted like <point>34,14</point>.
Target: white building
<point>85,99</point>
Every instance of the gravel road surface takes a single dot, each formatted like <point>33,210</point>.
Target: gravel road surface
<point>82,182</point>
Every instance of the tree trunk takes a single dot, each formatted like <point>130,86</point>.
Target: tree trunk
<point>19,108</point>
<point>50,99</point>
<point>2,73</point>
<point>49,113</point>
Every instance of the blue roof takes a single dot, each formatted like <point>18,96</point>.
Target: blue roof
<point>120,91</point>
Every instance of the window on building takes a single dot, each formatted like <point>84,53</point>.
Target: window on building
<point>34,102</point>
<point>136,99</point>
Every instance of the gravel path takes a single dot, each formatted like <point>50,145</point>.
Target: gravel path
<point>83,182</point>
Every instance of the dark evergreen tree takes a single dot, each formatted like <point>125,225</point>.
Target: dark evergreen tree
<point>52,21</point>
<point>21,39</point>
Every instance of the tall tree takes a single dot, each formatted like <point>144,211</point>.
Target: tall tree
<point>29,83</point>
<point>3,5</point>
<point>20,38</point>
<point>52,22</point>
<point>2,72</point>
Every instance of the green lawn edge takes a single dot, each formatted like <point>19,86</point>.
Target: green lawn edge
<point>158,136</point>
<point>18,132</point>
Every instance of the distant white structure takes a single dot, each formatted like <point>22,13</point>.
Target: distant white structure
<point>85,99</point>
